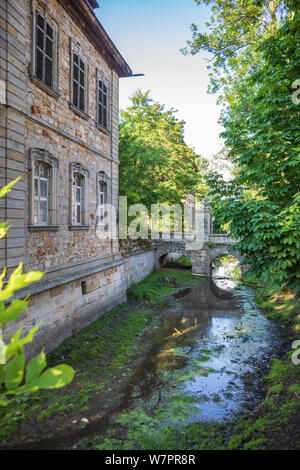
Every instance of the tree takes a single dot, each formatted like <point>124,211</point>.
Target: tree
<point>17,378</point>
<point>262,204</point>
<point>156,164</point>
<point>235,30</point>
<point>222,164</point>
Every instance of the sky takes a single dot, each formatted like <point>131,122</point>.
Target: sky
<point>149,35</point>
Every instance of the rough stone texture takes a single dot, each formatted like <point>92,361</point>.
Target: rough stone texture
<point>13,17</point>
<point>85,275</point>
<point>35,119</point>
<point>137,267</point>
<point>32,117</point>
<point>67,309</point>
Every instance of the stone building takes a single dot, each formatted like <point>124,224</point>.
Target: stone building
<point>59,77</point>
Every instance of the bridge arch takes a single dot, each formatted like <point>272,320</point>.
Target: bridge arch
<point>201,253</point>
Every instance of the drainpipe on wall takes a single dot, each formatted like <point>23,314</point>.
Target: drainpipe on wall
<point>111,149</point>
<point>5,101</point>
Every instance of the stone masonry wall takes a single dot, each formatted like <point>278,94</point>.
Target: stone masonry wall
<point>13,69</point>
<point>138,266</point>
<point>67,308</point>
<point>36,119</point>
<point>84,275</point>
<point>140,258</point>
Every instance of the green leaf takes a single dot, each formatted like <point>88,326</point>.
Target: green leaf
<point>3,229</point>
<point>18,281</point>
<point>56,377</point>
<point>35,367</point>
<point>6,189</point>
<point>1,374</point>
<point>2,275</point>
<point>13,311</point>
<point>14,372</point>
<point>16,343</point>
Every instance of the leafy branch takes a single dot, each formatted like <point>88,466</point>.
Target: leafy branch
<point>17,378</point>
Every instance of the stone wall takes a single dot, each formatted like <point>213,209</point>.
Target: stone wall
<point>13,69</point>
<point>137,267</point>
<point>71,306</point>
<point>32,117</point>
<point>140,258</point>
<point>83,273</point>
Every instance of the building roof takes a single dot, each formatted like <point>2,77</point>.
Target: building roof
<point>93,3</point>
<point>84,17</point>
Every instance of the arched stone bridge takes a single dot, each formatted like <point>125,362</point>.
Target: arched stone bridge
<point>200,250</point>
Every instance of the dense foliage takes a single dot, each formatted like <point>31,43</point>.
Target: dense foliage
<point>156,164</point>
<point>17,378</point>
<point>262,203</point>
<point>235,29</point>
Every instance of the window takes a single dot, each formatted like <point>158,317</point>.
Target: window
<point>102,200</point>
<point>43,174</point>
<point>44,63</point>
<point>44,50</point>
<point>102,104</point>
<point>77,199</point>
<point>79,79</point>
<point>41,196</point>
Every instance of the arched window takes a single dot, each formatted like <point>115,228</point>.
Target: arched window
<point>41,193</point>
<point>43,174</point>
<point>78,197</point>
<point>103,198</point>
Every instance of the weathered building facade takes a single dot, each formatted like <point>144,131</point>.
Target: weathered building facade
<point>59,77</point>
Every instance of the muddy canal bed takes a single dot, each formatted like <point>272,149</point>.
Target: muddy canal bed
<point>158,373</point>
<point>209,353</point>
<point>213,350</point>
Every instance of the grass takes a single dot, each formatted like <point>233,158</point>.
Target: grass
<point>275,423</point>
<point>184,261</point>
<point>102,354</point>
<point>105,353</point>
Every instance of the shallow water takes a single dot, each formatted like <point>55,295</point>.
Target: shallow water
<point>210,348</point>
<point>209,352</point>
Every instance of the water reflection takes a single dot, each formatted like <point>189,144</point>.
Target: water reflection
<point>226,272</point>
<point>207,346</point>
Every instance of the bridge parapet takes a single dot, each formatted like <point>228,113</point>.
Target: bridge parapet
<point>201,254</point>
<point>222,239</point>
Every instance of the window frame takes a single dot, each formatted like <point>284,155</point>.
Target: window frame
<point>54,89</point>
<point>37,199</point>
<point>75,203</point>
<point>79,170</point>
<point>43,156</point>
<point>76,49</point>
<point>100,77</point>
<point>102,178</point>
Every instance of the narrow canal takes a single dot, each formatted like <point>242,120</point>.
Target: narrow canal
<point>159,374</point>
<point>208,355</point>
